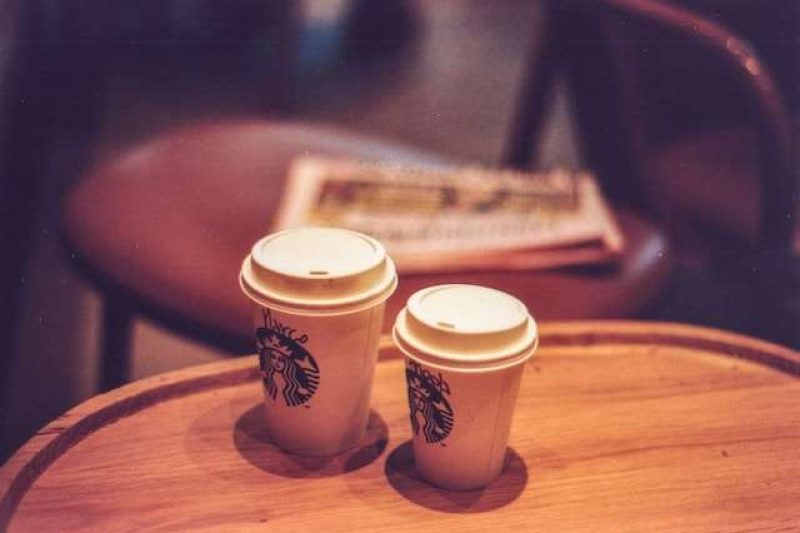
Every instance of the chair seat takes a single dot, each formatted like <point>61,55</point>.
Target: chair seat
<point>169,222</point>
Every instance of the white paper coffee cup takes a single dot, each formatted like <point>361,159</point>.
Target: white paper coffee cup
<point>465,349</point>
<point>319,296</point>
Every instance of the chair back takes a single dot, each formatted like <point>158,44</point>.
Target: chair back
<point>643,73</point>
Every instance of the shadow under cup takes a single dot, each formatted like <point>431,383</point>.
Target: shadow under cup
<point>254,442</point>
<point>403,476</point>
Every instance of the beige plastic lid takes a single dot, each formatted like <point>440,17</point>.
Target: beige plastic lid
<point>318,270</point>
<point>465,326</point>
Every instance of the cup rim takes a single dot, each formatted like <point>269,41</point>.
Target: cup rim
<point>413,307</point>
<point>464,364</point>
<point>322,307</point>
<point>379,256</point>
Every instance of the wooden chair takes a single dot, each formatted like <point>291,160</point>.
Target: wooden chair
<point>611,52</point>
<point>704,141</point>
<point>162,227</point>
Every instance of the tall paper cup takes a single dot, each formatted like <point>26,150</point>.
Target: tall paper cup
<point>319,296</point>
<point>465,349</point>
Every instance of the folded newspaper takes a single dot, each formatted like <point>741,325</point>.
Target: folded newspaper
<point>457,218</point>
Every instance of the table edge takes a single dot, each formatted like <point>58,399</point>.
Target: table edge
<point>19,473</point>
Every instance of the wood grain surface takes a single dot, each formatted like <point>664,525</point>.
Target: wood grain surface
<point>620,426</point>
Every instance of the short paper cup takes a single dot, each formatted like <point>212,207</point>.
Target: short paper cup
<point>318,296</point>
<point>465,348</point>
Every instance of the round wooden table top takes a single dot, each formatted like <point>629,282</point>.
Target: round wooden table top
<point>619,426</point>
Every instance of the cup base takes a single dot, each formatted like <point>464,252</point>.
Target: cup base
<point>457,485</point>
<point>321,447</point>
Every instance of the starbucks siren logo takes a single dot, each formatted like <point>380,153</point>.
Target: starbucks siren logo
<point>427,400</point>
<point>285,363</point>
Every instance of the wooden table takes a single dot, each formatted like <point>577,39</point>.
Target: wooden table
<point>619,426</point>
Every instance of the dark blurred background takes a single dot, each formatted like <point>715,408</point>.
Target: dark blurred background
<point>83,80</point>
